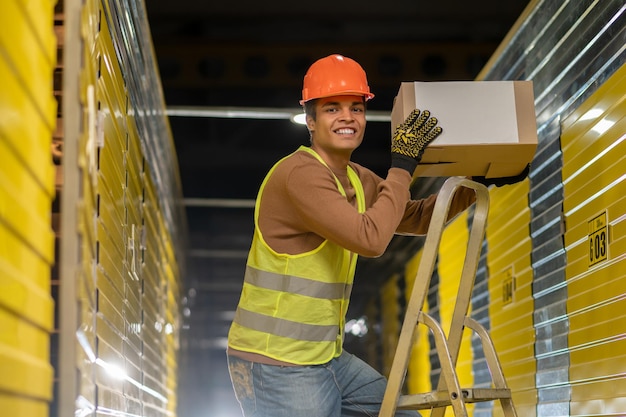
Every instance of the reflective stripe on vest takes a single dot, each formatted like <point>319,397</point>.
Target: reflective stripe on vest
<point>286,328</point>
<point>296,285</point>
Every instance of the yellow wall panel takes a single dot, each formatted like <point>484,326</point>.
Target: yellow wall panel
<point>89,20</point>
<point>110,72</point>
<point>111,261</point>
<point>390,321</point>
<point>133,203</point>
<point>87,286</point>
<point>617,232</point>
<point>21,260</point>
<point>24,132</point>
<point>23,219</point>
<point>40,13</point>
<point>112,105</point>
<point>109,309</point>
<point>24,299</point>
<point>28,116</point>
<point>111,179</point>
<point>511,303</point>
<point>594,195</point>
<point>16,406</point>
<point>111,249</point>
<point>28,108</point>
<point>110,210</point>
<point>599,383</point>
<point>129,277</point>
<point>110,390</point>
<point>452,252</point>
<point>25,337</point>
<point>113,140</point>
<point>134,163</point>
<point>599,178</point>
<point>30,48</point>
<point>25,374</point>
<point>419,366</point>
<point>113,175</point>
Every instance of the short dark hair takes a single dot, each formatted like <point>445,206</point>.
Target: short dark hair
<point>309,108</point>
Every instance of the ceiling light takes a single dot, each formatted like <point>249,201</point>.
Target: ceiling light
<point>299,119</point>
<point>268,113</point>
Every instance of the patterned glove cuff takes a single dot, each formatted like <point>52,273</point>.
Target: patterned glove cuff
<point>404,162</point>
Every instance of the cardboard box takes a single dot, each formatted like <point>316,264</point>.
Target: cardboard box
<point>489,127</point>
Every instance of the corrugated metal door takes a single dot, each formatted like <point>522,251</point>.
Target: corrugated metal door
<point>28,109</point>
<point>594,177</point>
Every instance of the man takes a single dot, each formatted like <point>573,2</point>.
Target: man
<point>315,213</point>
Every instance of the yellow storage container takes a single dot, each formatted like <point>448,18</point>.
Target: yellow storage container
<point>452,251</point>
<point>27,178</point>
<point>511,304</point>
<point>594,149</point>
<point>391,321</point>
<point>419,368</point>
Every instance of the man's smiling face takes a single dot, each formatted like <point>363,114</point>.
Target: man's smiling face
<point>340,124</point>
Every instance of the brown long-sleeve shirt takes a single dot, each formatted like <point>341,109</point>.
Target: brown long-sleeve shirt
<point>301,207</point>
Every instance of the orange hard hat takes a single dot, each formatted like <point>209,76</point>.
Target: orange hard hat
<point>335,75</point>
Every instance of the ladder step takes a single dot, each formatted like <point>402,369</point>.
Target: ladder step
<point>442,398</point>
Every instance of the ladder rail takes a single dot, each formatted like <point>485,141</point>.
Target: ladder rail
<point>466,283</point>
<point>454,391</point>
<point>424,273</point>
<point>497,375</point>
<point>420,289</point>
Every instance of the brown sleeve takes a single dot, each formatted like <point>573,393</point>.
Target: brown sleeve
<point>419,212</point>
<point>301,206</point>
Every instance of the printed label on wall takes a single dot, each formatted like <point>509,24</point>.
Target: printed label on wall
<point>508,287</point>
<point>598,239</point>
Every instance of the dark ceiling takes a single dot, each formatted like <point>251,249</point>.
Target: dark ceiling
<point>218,57</point>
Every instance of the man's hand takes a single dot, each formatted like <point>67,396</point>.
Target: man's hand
<point>411,138</point>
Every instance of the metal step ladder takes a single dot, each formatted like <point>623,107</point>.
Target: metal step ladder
<point>449,392</point>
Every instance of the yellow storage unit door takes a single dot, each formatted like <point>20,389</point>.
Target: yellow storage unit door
<point>511,304</point>
<point>28,109</point>
<point>452,251</point>
<point>27,60</point>
<point>419,367</point>
<point>129,277</point>
<point>391,321</point>
<point>594,178</point>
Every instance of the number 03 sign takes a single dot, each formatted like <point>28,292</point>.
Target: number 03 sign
<point>598,239</point>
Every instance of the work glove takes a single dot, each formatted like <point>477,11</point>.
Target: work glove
<point>411,138</point>
<point>500,181</point>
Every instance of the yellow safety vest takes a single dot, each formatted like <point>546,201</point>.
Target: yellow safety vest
<point>293,307</point>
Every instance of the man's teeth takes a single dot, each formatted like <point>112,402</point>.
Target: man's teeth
<point>345,131</point>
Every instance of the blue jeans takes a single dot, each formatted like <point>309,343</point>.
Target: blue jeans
<point>345,386</point>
